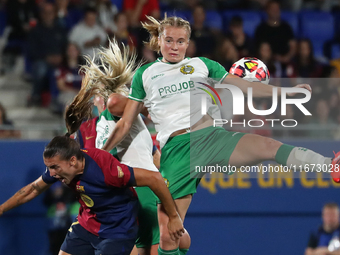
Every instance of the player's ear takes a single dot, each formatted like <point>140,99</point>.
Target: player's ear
<point>73,161</point>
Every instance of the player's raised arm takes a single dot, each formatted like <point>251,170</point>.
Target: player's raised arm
<point>260,89</point>
<point>132,109</point>
<point>24,195</point>
<point>155,182</point>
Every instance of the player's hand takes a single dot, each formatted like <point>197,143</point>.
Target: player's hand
<point>321,251</point>
<point>304,86</point>
<point>1,211</point>
<point>175,227</point>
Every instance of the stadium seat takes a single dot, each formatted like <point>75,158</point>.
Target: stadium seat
<point>318,27</point>
<point>292,19</point>
<point>250,20</point>
<point>118,3</point>
<point>335,51</point>
<point>213,20</point>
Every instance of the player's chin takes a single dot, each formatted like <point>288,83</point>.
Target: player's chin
<point>174,58</point>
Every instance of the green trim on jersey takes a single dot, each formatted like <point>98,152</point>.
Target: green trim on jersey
<point>137,91</point>
<point>109,117</point>
<point>216,70</point>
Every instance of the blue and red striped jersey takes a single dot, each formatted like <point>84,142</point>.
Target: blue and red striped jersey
<point>109,205</point>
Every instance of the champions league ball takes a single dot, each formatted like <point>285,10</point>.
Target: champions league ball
<point>251,69</point>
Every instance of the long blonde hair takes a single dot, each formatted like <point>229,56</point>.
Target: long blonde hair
<point>103,76</point>
<point>156,28</point>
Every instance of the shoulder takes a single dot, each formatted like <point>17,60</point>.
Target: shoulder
<point>99,156</point>
<point>143,68</point>
<point>106,115</point>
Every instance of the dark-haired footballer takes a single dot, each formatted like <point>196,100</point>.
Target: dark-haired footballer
<point>107,219</point>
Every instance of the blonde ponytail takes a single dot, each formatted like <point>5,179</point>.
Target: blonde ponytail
<point>105,75</point>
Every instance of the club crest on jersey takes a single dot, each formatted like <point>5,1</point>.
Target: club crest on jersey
<point>80,188</point>
<point>120,172</point>
<point>87,200</point>
<point>187,69</point>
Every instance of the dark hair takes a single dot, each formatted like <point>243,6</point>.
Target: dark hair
<point>236,21</point>
<point>63,146</point>
<point>272,2</point>
<point>90,9</point>
<point>331,205</point>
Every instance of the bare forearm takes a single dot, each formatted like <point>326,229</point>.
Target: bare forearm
<point>131,110</point>
<point>155,182</point>
<point>23,196</point>
<point>259,89</point>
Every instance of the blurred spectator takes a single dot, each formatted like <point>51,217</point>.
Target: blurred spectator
<point>334,105</point>
<point>191,50</point>
<point>67,16</point>
<point>87,34</point>
<point>22,17</point>
<point>228,54</point>
<point>106,14</point>
<point>323,5</point>
<point>241,41</point>
<point>265,54</point>
<point>122,34</point>
<point>202,35</point>
<point>326,238</point>
<point>277,33</point>
<point>148,55</point>
<point>257,4</point>
<point>68,79</point>
<point>58,198</point>
<point>136,10</point>
<point>6,133</point>
<point>304,64</point>
<point>322,120</point>
<point>46,44</point>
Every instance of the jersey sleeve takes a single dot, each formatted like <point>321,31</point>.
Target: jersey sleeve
<point>48,178</point>
<point>137,91</point>
<point>216,70</point>
<point>119,175</point>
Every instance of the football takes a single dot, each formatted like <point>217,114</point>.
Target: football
<point>251,69</point>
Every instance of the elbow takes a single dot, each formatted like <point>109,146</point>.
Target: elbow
<point>114,105</point>
<point>155,179</point>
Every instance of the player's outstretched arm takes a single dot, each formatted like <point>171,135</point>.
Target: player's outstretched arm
<point>24,195</point>
<point>132,109</point>
<point>260,89</point>
<point>155,182</point>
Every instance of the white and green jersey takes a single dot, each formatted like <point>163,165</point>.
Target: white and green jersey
<point>165,89</point>
<point>136,148</point>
